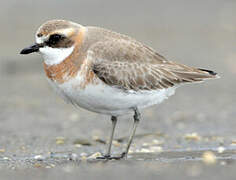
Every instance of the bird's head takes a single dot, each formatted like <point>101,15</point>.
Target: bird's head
<point>56,40</point>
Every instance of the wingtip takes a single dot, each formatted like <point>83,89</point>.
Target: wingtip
<point>209,71</point>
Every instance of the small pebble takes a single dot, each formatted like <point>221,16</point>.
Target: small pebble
<point>37,165</point>
<point>233,143</point>
<point>83,154</point>
<point>221,149</point>
<point>74,157</point>
<point>95,155</point>
<point>116,143</point>
<point>5,158</point>
<point>156,141</point>
<point>131,151</point>
<point>78,145</point>
<point>83,142</point>
<point>193,137</point>
<point>98,139</point>
<point>23,148</point>
<point>146,144</point>
<point>39,157</point>
<point>145,150</point>
<point>158,149</point>
<point>95,138</point>
<point>140,159</point>
<point>83,158</point>
<point>60,140</point>
<point>2,150</point>
<point>209,157</point>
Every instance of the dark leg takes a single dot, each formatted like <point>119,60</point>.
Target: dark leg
<point>137,116</point>
<point>108,154</point>
<point>114,120</point>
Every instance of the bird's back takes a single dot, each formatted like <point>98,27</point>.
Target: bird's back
<point>121,61</point>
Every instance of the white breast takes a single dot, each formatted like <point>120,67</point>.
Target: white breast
<point>104,99</point>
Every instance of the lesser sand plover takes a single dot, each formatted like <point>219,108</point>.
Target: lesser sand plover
<point>107,72</point>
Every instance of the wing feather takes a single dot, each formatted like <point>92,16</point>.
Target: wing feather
<point>129,65</point>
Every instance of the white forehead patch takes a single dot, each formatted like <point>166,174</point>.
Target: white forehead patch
<point>53,56</point>
<point>40,40</point>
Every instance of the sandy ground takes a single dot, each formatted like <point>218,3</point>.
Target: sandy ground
<point>192,135</point>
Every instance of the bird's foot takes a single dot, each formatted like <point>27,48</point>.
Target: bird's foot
<point>108,157</point>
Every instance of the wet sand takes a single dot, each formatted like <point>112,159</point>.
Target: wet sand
<point>43,137</point>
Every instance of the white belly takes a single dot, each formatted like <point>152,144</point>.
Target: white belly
<point>104,99</point>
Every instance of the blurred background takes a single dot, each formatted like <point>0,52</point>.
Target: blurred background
<point>197,33</point>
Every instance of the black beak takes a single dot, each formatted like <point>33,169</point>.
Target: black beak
<point>31,49</point>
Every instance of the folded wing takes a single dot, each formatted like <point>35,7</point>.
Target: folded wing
<point>133,66</point>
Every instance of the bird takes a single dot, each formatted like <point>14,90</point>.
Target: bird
<point>107,72</point>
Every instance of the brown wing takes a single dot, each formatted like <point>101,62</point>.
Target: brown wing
<point>133,66</point>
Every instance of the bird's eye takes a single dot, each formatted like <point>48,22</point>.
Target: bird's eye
<point>54,39</point>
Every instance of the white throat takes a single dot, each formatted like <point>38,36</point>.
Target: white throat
<point>53,56</point>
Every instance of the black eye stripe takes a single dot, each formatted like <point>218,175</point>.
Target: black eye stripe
<point>54,39</point>
<point>58,41</point>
